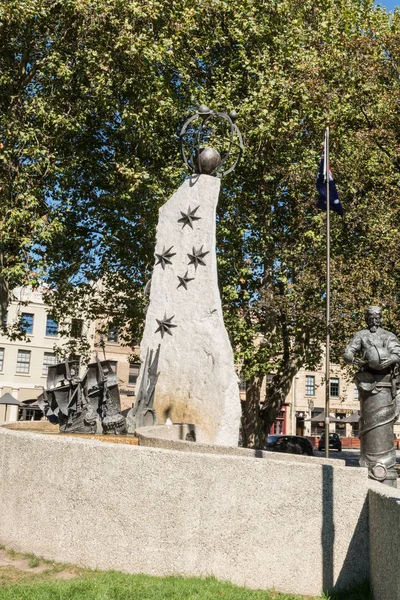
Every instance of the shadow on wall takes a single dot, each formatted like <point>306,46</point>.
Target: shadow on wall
<point>187,431</point>
<point>328,528</point>
<point>355,570</point>
<point>193,179</point>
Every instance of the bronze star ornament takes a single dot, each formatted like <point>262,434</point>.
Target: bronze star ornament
<point>164,257</point>
<point>183,281</point>
<point>196,258</point>
<point>189,217</point>
<point>164,325</point>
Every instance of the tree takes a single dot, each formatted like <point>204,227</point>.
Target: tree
<point>87,129</point>
<point>273,257</point>
<point>94,93</point>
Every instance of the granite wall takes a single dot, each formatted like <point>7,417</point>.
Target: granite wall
<point>384,510</point>
<point>261,520</point>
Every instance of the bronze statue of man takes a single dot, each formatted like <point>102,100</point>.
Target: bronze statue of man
<point>377,352</point>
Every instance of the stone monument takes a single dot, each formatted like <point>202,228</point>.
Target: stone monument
<point>377,353</point>
<point>187,372</point>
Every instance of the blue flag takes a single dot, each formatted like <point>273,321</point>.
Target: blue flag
<point>324,172</point>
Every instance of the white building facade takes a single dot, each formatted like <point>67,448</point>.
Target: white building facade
<point>306,401</point>
<point>24,363</point>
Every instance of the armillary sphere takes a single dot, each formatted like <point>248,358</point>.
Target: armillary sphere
<point>199,156</point>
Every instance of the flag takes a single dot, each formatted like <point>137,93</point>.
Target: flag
<point>324,171</point>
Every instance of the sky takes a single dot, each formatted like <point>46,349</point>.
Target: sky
<point>389,4</point>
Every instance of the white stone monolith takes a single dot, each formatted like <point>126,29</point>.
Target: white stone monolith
<point>196,381</point>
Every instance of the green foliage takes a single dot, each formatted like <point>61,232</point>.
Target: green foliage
<point>33,562</point>
<point>93,93</point>
<point>361,592</point>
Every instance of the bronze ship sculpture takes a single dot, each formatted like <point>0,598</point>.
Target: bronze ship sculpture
<point>78,403</point>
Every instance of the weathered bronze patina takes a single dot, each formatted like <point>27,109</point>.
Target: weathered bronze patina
<point>194,140</point>
<point>77,403</point>
<point>377,352</point>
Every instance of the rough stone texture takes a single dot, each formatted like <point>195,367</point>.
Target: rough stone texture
<point>384,510</point>
<point>197,382</point>
<point>295,526</point>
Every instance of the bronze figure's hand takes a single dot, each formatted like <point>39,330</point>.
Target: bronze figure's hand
<point>386,363</point>
<point>359,362</point>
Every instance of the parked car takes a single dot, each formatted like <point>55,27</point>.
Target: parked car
<point>292,444</point>
<point>334,442</point>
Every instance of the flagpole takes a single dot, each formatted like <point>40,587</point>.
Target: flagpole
<point>328,296</point>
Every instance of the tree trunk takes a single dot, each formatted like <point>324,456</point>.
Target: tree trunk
<point>257,419</point>
<point>254,431</point>
<point>278,390</point>
<point>3,299</point>
<point>275,398</point>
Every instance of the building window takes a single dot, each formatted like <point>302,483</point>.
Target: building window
<point>49,358</point>
<point>112,335</point>
<point>355,393</point>
<point>278,427</point>
<point>23,361</point>
<point>334,391</point>
<point>27,322</point>
<point>340,428</point>
<point>51,327</point>
<point>242,385</point>
<point>310,385</point>
<point>355,429</point>
<point>76,328</point>
<point>317,427</point>
<point>1,358</point>
<point>113,364</point>
<point>5,316</point>
<point>133,374</point>
<point>29,414</point>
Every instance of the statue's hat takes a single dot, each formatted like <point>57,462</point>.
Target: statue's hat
<point>374,310</point>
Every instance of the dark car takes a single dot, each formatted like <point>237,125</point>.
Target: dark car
<point>334,442</point>
<point>292,444</point>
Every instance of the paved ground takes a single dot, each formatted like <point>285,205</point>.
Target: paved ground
<point>352,457</point>
<point>15,567</point>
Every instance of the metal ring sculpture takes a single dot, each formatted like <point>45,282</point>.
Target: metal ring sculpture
<point>207,160</point>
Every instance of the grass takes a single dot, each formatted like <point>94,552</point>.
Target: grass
<point>49,583</point>
<point>33,561</point>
